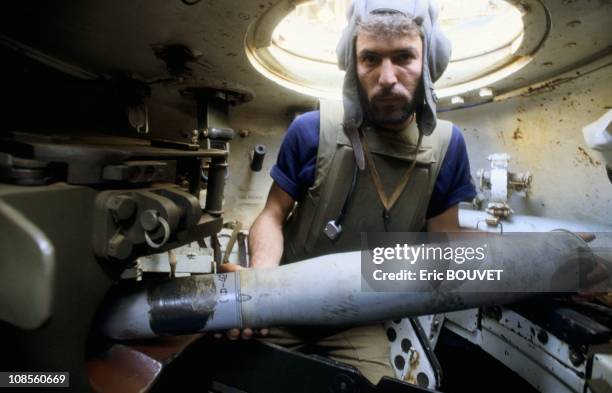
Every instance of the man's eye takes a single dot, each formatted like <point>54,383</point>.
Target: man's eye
<point>369,60</point>
<point>403,58</point>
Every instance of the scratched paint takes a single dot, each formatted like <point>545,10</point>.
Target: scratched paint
<point>182,305</point>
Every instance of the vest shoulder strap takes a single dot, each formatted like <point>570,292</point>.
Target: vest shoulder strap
<point>331,113</point>
<point>439,141</point>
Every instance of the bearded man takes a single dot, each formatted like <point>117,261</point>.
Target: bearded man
<point>378,161</point>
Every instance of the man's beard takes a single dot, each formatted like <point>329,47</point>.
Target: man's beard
<point>392,117</point>
<point>375,112</point>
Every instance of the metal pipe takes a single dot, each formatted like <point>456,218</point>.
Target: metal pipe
<point>216,183</point>
<point>259,152</point>
<point>325,291</point>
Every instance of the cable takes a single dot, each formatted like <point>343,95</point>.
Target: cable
<point>349,196</point>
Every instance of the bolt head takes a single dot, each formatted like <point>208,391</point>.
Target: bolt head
<point>148,220</point>
<point>542,336</point>
<point>119,247</point>
<point>576,357</point>
<point>343,384</point>
<point>122,207</point>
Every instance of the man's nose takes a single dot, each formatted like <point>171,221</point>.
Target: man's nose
<point>387,76</point>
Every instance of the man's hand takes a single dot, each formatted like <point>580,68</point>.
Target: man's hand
<point>265,245</point>
<point>245,334</point>
<point>230,268</point>
<point>235,334</point>
<point>599,275</point>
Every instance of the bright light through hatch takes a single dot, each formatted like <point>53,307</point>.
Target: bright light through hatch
<point>301,54</point>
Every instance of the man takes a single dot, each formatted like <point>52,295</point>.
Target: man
<point>417,168</point>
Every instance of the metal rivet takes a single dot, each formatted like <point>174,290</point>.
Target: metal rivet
<point>542,336</point>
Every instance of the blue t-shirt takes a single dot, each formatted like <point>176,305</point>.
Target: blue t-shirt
<point>295,167</point>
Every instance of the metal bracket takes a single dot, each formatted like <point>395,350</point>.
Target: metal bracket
<point>127,223</point>
<point>501,183</point>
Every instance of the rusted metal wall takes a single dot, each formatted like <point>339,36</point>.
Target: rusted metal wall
<point>543,134</point>
<point>246,191</point>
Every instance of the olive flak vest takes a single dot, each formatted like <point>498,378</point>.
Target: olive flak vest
<point>392,153</point>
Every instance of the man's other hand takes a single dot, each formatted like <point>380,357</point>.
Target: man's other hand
<point>245,334</point>
<point>229,268</point>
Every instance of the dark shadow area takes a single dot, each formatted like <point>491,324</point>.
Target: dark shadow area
<point>467,368</point>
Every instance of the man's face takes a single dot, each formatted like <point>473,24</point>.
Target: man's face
<point>389,72</point>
